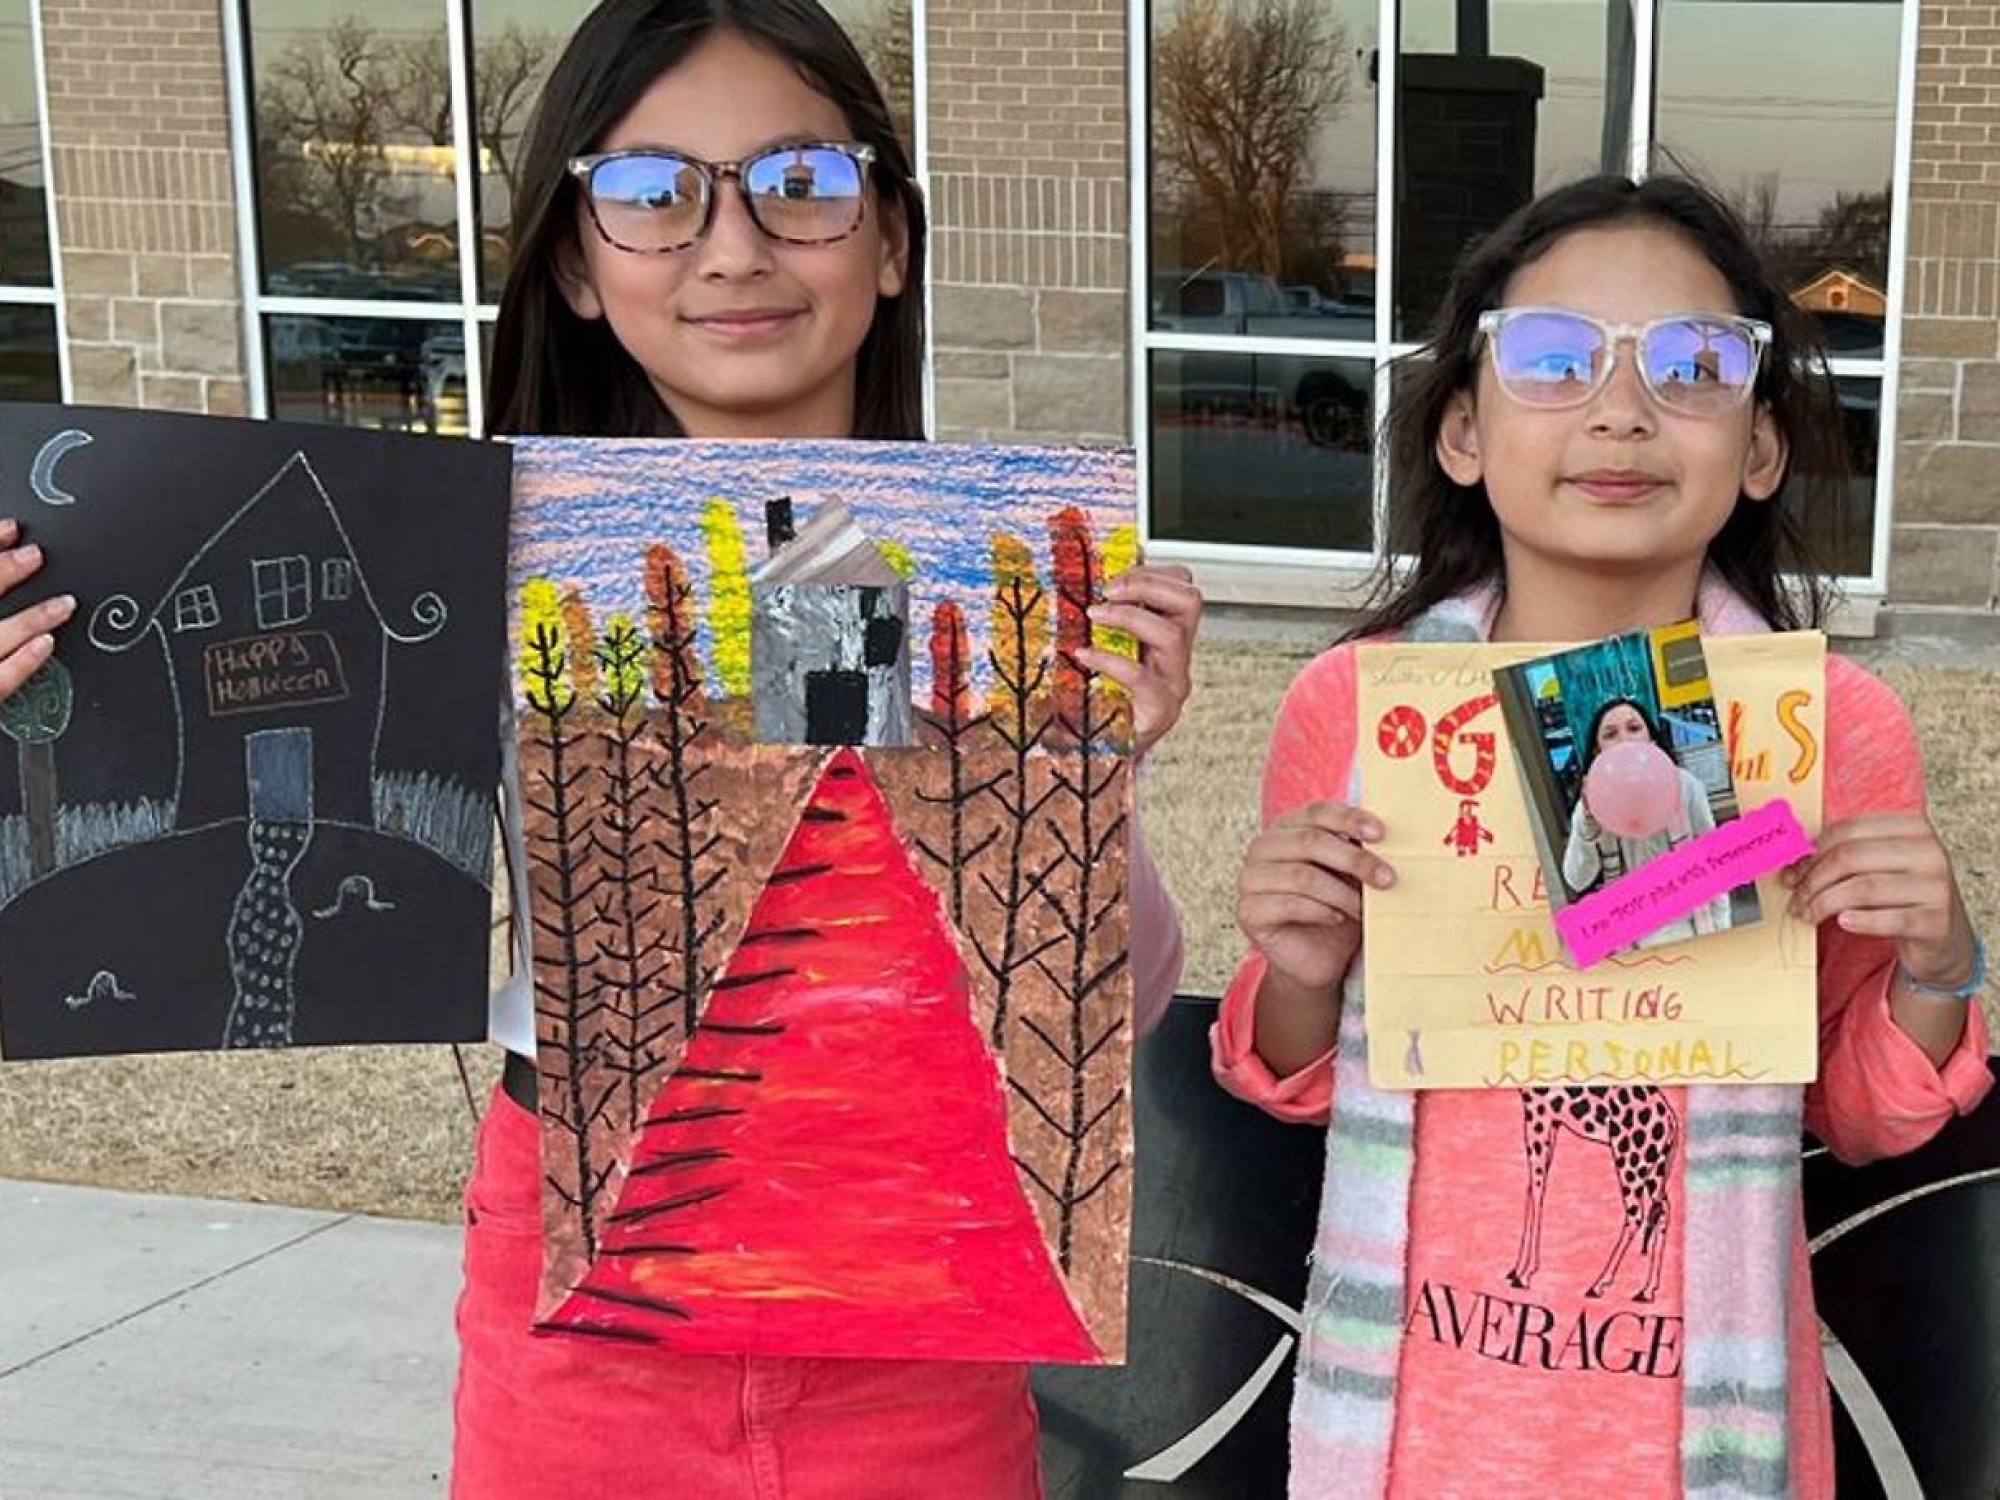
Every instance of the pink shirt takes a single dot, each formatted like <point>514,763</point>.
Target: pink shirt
<point>1498,1381</point>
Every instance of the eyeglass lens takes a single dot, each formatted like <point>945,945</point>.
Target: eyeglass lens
<point>1556,359</point>
<point>659,201</point>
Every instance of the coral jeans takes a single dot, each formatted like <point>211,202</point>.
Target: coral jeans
<point>554,1418</point>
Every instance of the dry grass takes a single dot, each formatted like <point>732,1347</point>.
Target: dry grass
<point>388,1130</point>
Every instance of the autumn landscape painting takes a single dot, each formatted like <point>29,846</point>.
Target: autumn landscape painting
<point>826,843</point>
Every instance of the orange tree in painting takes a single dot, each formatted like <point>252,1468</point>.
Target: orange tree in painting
<point>953,718</point>
<point>1018,655</point>
<point>687,840</point>
<point>1088,827</point>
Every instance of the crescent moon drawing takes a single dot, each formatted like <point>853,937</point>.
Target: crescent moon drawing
<point>42,478</point>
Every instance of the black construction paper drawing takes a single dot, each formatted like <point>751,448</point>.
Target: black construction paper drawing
<point>249,802</point>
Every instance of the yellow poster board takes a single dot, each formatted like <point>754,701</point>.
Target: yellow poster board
<point>1468,985</point>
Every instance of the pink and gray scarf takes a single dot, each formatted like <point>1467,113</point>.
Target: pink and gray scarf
<point>1742,1189</point>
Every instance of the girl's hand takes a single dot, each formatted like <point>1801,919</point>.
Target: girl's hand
<point>1158,606</point>
<point>26,636</point>
<point>1887,875</point>
<point>1299,895</point>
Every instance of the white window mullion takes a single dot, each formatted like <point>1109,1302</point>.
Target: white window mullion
<point>236,58</point>
<point>47,137</point>
<point>920,163</point>
<point>465,166</point>
<point>1388,49</point>
<point>1645,69</point>
<point>1892,324</point>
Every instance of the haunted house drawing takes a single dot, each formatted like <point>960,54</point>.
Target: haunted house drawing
<point>256,783</point>
<point>829,637</point>
<point>271,623</point>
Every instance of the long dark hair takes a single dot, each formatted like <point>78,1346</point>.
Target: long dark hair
<point>1451,528</point>
<point>1653,728</point>
<point>554,372</point>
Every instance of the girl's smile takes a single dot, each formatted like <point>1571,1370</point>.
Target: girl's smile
<point>1619,486</point>
<point>744,325</point>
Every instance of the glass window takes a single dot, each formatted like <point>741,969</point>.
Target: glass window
<point>283,588</point>
<point>514,44</point>
<point>1272,449</point>
<point>882,31</point>
<point>1808,162</point>
<point>336,579</point>
<point>1261,158</point>
<point>404,374</point>
<point>30,367</point>
<point>1497,101</point>
<point>1263,168</point>
<point>29,370</point>
<point>356,196</point>
<point>1843,538</point>
<point>24,219</point>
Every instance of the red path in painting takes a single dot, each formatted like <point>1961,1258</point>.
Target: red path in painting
<point>827,1171</point>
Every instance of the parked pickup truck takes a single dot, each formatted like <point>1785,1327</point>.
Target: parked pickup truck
<point>1329,396</point>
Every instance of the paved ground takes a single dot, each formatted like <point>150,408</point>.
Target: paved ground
<point>174,1348</point>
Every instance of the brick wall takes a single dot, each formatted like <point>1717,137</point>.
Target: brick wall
<point>1027,151</point>
<point>1946,545</point>
<point>139,119</point>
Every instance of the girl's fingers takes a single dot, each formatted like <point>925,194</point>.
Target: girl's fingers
<point>1161,633</point>
<point>1165,588</point>
<point>1315,899</point>
<point>18,665</point>
<point>17,563</point>
<point>1340,818</point>
<point>1123,670</point>
<point>1330,851</point>
<point>1889,922</point>
<point>21,627</point>
<point>1884,876</point>
<point>1294,879</point>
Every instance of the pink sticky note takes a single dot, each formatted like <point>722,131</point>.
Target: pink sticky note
<point>1690,875</point>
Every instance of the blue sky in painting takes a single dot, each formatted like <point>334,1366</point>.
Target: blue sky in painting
<point>585,511</point>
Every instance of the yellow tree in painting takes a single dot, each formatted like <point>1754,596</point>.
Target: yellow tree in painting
<point>728,596</point>
<point>1120,554</point>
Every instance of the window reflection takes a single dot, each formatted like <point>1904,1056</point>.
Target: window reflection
<point>1263,161</point>
<point>881,32</point>
<point>514,45</point>
<point>24,223</point>
<point>1844,537</point>
<point>1807,164</point>
<point>1268,449</point>
<point>29,370</point>
<point>1497,100</point>
<point>402,374</point>
<point>356,195</point>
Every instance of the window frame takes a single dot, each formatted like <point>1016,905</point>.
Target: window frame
<point>18,294</point>
<point>1254,573</point>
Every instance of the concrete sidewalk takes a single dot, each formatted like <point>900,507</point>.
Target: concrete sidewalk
<point>173,1348</point>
